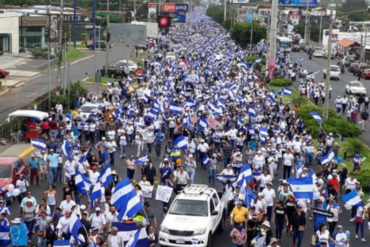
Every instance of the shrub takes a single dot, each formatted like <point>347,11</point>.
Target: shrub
<point>363,176</point>
<point>280,82</point>
<point>40,53</point>
<point>351,146</point>
<point>250,59</point>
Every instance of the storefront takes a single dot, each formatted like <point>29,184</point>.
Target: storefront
<point>9,33</point>
<point>32,32</point>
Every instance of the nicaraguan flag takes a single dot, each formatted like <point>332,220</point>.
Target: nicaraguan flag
<point>5,233</point>
<point>245,174</point>
<point>181,143</point>
<point>252,111</point>
<point>243,66</point>
<point>328,157</point>
<point>139,235</point>
<point>39,144</point>
<point>287,91</point>
<point>205,160</point>
<point>141,161</point>
<point>60,243</point>
<point>302,187</point>
<point>66,149</point>
<point>352,198</point>
<point>83,184</point>
<point>222,178</point>
<point>175,109</point>
<point>121,193</point>
<point>76,228</point>
<point>317,117</point>
<point>249,196</point>
<point>189,103</point>
<point>128,230</point>
<point>96,193</point>
<point>186,121</point>
<point>203,124</point>
<point>84,157</point>
<point>132,206</point>
<point>271,95</point>
<point>106,176</point>
<point>263,133</point>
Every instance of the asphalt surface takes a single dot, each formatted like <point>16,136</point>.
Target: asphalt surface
<point>219,239</point>
<point>318,64</point>
<point>17,98</point>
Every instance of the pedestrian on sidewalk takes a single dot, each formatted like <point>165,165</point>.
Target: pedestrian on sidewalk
<point>364,118</point>
<point>34,164</point>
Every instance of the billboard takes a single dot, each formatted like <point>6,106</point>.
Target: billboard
<point>179,18</point>
<point>182,7</point>
<point>250,16</point>
<point>130,34</point>
<point>298,2</point>
<point>168,7</point>
<point>152,10</point>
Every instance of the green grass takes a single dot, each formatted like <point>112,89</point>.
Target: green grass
<point>72,54</point>
<point>104,80</point>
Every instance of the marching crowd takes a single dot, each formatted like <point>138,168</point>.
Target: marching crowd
<point>205,112</point>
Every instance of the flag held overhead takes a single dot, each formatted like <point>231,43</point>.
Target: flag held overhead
<point>317,117</point>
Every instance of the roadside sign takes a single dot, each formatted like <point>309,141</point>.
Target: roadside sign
<point>179,18</point>
<point>182,7</point>
<point>168,7</point>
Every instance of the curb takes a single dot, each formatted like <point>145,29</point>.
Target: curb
<point>26,152</point>
<point>4,92</point>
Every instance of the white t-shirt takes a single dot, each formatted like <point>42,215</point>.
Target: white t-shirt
<point>269,196</point>
<point>93,176</point>
<point>264,180</point>
<point>287,159</point>
<point>350,184</point>
<point>340,239</point>
<point>65,205</point>
<point>203,147</point>
<point>22,185</point>
<point>323,237</point>
<point>97,221</point>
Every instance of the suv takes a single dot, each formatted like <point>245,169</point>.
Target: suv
<point>98,44</point>
<point>194,216</point>
<point>115,70</point>
<point>334,72</point>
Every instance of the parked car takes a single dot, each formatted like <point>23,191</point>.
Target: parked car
<point>296,48</point>
<point>356,88</point>
<point>11,169</point>
<point>365,73</point>
<point>115,70</point>
<point>359,68</point>
<point>334,72</point>
<point>87,109</point>
<point>318,53</point>
<point>193,217</point>
<point>98,44</point>
<point>131,65</point>
<point>3,73</point>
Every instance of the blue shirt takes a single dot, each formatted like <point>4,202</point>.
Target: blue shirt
<point>159,138</point>
<point>18,236</point>
<point>34,163</point>
<point>53,160</point>
<point>166,173</point>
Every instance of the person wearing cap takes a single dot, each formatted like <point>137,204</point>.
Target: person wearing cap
<point>34,164</point>
<point>98,220</point>
<point>269,196</point>
<point>62,227</point>
<point>28,215</point>
<point>17,233</point>
<point>259,161</point>
<point>203,149</point>
<point>273,243</point>
<point>239,215</point>
<point>212,169</point>
<point>191,164</point>
<point>115,239</point>
<point>298,221</point>
<point>350,183</point>
<point>340,237</point>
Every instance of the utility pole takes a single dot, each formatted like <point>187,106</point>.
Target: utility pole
<point>60,48</point>
<point>327,81</point>
<point>225,9</point>
<point>273,33</point>
<point>93,17</point>
<point>108,38</point>
<point>251,38</point>
<point>64,64</point>
<point>363,51</point>
<point>74,23</point>
<point>306,26</point>
<point>134,10</point>
<point>320,35</point>
<point>49,69</point>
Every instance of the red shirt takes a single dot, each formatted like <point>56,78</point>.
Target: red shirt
<point>45,125</point>
<point>335,183</point>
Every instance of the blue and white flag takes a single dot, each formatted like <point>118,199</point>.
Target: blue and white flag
<point>222,178</point>
<point>128,230</point>
<point>106,176</point>
<point>84,157</point>
<point>249,196</point>
<point>271,95</point>
<point>352,199</point>
<point>138,236</point>
<point>60,243</point>
<point>142,160</point>
<point>121,193</point>
<point>181,143</point>
<point>328,157</point>
<point>243,66</point>
<point>175,109</point>
<point>189,103</point>
<point>252,111</point>
<point>75,225</point>
<point>83,184</point>
<point>302,187</point>
<point>287,91</point>
<point>5,233</point>
<point>39,144</point>
<point>203,124</point>
<point>96,193</point>
<point>245,175</point>
<point>205,160</point>
<point>130,207</point>
<point>317,117</point>
<point>66,149</point>
<point>261,46</point>
<point>263,133</point>
<point>186,120</point>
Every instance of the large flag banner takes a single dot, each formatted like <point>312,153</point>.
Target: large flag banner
<point>302,187</point>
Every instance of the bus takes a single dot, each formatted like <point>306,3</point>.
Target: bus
<point>284,44</point>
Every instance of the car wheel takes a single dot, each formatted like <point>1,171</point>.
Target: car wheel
<point>209,242</point>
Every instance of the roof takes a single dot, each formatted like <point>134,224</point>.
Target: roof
<point>346,42</point>
<point>29,113</point>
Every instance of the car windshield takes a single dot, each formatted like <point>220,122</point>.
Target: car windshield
<point>87,108</point>
<point>5,171</point>
<point>189,207</point>
<point>131,63</point>
<point>334,68</point>
<point>356,84</point>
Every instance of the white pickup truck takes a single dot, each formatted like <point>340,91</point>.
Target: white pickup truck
<point>193,217</point>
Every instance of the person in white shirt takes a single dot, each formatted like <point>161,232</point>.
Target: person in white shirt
<point>98,220</point>
<point>269,195</point>
<point>350,183</point>
<point>340,237</point>
<point>63,224</point>
<point>258,161</point>
<point>203,148</point>
<point>264,179</point>
<point>111,147</point>
<point>288,163</point>
<point>67,204</point>
<point>114,239</point>
<point>93,174</point>
<point>69,169</point>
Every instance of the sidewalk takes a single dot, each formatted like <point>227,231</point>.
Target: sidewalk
<point>20,150</point>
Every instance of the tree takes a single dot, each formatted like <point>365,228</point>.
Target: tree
<point>241,32</point>
<point>216,13</point>
<point>356,9</point>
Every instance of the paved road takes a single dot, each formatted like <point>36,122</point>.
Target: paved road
<point>318,64</point>
<point>19,97</point>
<point>220,239</point>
